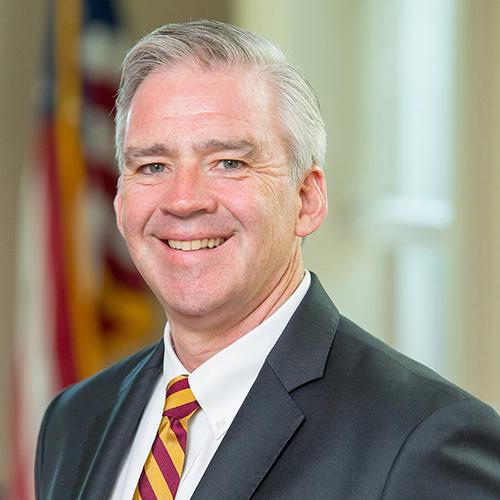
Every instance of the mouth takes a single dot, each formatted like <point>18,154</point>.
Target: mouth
<point>190,245</point>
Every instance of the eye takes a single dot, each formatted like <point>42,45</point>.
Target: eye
<point>231,164</point>
<point>152,168</point>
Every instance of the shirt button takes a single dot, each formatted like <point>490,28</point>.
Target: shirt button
<point>220,424</point>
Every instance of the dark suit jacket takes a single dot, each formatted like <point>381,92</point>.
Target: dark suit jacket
<point>333,414</point>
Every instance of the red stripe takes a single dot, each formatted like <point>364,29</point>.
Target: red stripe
<point>145,488</point>
<point>19,485</point>
<point>56,255</point>
<point>180,385</point>
<point>100,175</point>
<point>101,94</point>
<point>124,276</point>
<point>166,465</point>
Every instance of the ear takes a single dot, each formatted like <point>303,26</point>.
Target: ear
<point>117,205</point>
<point>313,203</point>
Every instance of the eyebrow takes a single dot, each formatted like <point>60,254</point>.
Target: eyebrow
<point>214,145</point>
<point>247,148</point>
<point>156,149</point>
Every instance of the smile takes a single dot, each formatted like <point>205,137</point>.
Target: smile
<point>189,245</point>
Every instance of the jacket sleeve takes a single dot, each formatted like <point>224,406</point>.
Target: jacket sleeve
<point>453,454</point>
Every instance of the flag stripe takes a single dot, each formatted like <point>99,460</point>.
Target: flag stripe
<point>65,154</point>
<point>62,327</point>
<point>72,186</point>
<point>70,317</point>
<point>19,461</point>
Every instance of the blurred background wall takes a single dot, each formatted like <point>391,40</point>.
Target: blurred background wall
<point>410,91</point>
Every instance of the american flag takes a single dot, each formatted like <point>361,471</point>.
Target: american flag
<point>81,304</point>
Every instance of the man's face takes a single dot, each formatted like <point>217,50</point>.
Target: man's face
<point>205,202</point>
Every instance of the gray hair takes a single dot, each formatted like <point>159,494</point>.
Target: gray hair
<point>212,45</point>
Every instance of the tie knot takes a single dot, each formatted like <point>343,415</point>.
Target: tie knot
<point>180,402</point>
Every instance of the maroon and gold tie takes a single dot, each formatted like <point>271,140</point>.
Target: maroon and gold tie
<point>163,468</point>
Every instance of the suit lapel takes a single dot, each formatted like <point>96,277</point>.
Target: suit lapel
<point>114,429</point>
<point>269,417</point>
<point>248,450</point>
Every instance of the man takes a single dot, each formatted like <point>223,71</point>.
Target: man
<point>220,145</point>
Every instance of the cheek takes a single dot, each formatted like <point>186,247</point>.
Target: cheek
<point>136,210</point>
<point>267,214</point>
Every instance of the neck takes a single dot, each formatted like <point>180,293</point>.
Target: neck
<point>196,343</point>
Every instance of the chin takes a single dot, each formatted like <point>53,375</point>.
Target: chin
<point>174,307</point>
<point>197,299</point>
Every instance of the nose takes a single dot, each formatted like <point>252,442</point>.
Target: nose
<point>188,193</point>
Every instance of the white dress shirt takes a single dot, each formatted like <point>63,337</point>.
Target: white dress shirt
<point>220,385</point>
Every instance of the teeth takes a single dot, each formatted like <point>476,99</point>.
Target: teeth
<point>189,245</point>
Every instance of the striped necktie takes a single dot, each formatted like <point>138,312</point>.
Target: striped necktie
<point>162,471</point>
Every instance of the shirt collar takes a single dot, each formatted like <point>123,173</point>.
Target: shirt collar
<point>222,383</point>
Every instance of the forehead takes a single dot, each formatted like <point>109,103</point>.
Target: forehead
<point>188,99</point>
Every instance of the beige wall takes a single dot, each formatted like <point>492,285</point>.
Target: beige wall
<point>140,19</point>
<point>350,78</point>
<point>477,234</point>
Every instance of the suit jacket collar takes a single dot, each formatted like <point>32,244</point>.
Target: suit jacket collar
<point>263,426</point>
<point>301,352</point>
<point>269,417</point>
<point>114,428</point>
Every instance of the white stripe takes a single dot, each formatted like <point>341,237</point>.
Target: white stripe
<point>34,359</point>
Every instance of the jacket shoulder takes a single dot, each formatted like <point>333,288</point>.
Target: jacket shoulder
<point>435,439</point>
<point>101,389</point>
<point>387,379</point>
<point>77,420</point>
